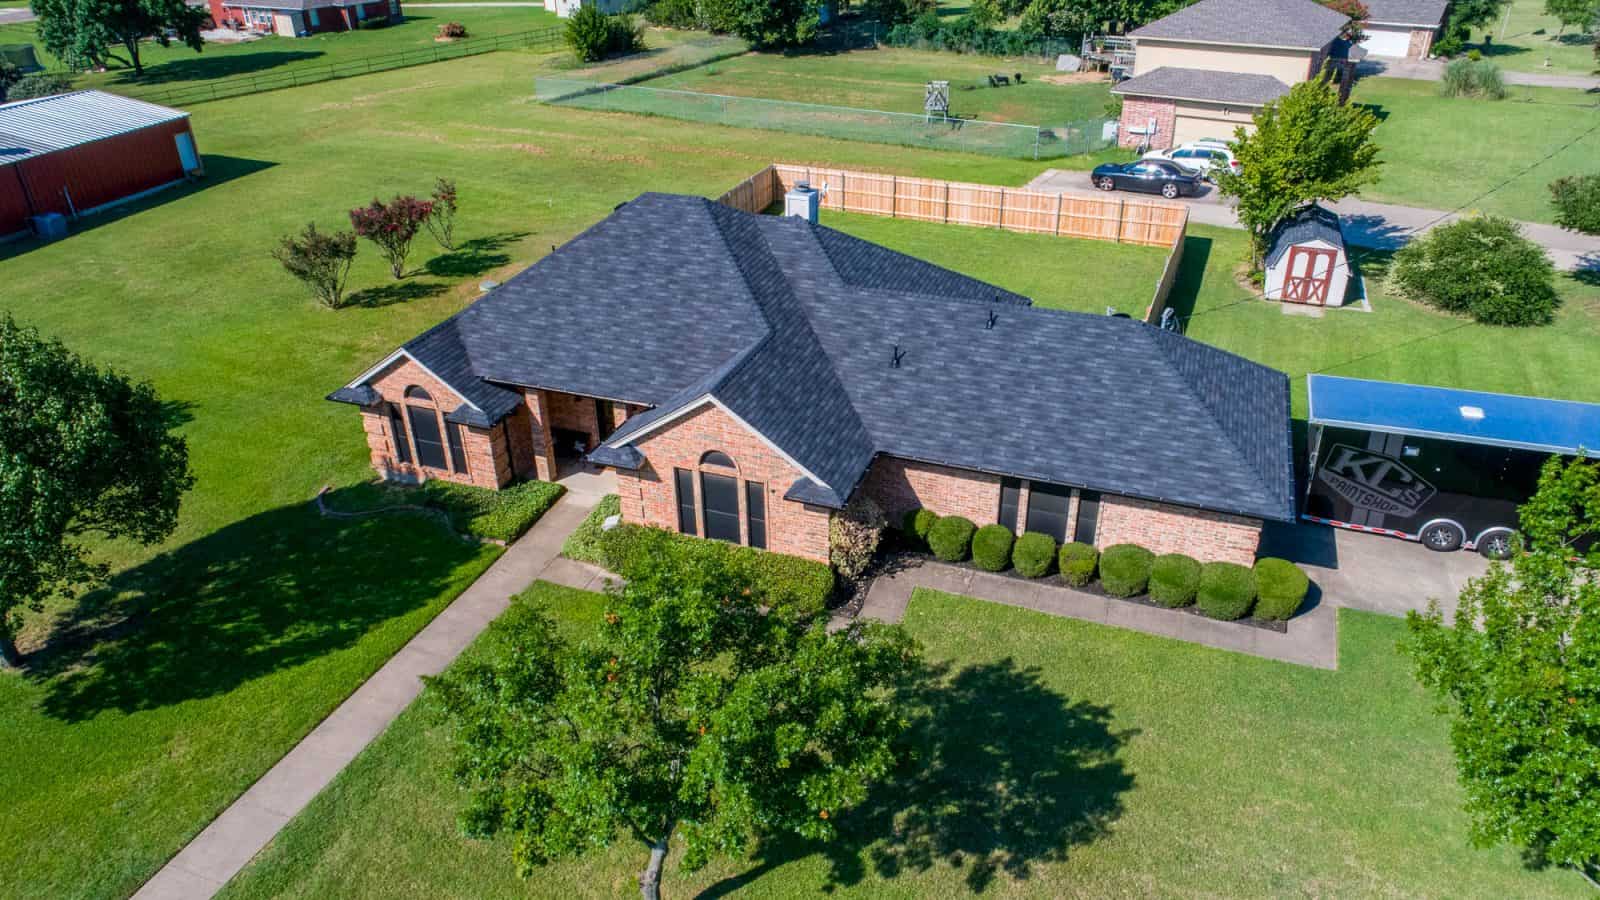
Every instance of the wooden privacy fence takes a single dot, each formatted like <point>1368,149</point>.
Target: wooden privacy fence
<point>1126,220</point>
<point>1169,277</point>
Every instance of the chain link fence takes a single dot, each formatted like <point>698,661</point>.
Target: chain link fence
<point>846,123</point>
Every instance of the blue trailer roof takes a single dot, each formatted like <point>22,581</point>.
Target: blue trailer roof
<point>1477,417</point>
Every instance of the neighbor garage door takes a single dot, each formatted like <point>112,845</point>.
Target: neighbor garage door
<point>1191,127</point>
<point>1387,42</point>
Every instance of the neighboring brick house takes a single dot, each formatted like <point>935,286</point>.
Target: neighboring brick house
<point>299,18</point>
<point>746,375</point>
<point>1402,28</point>
<point>1204,70</point>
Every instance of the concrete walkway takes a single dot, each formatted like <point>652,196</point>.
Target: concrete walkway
<point>229,842</point>
<point>1433,70</point>
<point>1381,226</point>
<point>1312,638</point>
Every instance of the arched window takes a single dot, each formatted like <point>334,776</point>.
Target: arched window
<point>426,432</point>
<point>717,458</point>
<point>416,393</point>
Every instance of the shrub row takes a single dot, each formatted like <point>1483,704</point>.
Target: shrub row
<point>786,582</point>
<point>583,543</point>
<point>501,515</point>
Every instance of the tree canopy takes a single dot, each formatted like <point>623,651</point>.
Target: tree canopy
<point>85,32</point>
<point>1307,146</point>
<point>775,23</point>
<point>692,713</point>
<point>1482,267</point>
<point>83,451</point>
<point>1518,672</point>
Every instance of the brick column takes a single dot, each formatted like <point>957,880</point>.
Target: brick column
<point>537,403</point>
<point>1022,506</point>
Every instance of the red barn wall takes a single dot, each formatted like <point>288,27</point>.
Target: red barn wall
<point>94,174</point>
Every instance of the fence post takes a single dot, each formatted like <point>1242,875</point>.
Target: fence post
<point>894,194</point>
<point>1058,213</point>
<point>1000,220</point>
<point>1036,142</point>
<point>1121,211</point>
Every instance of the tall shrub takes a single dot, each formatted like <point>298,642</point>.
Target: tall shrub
<point>1125,569</point>
<point>950,538</point>
<point>392,226</point>
<point>1078,562</point>
<point>1472,78</point>
<point>1174,580</point>
<point>991,547</point>
<point>1033,554</point>
<point>321,260</point>
<point>1480,267</point>
<point>1577,202</point>
<point>442,216</point>
<point>592,35</point>
<point>853,536</point>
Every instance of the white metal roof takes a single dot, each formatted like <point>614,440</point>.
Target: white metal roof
<point>30,128</point>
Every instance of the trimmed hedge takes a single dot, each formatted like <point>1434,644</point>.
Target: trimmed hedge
<point>1032,554</point>
<point>584,542</point>
<point>1125,569</point>
<point>1174,580</point>
<point>501,515</point>
<point>917,524</point>
<point>785,582</point>
<point>950,538</point>
<point>1226,590</point>
<point>991,547</point>
<point>1280,588</point>
<point>1078,562</point>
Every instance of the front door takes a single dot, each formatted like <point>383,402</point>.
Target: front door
<point>1309,275</point>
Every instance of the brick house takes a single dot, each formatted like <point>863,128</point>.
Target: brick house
<point>1204,70</point>
<point>299,18</point>
<point>746,375</point>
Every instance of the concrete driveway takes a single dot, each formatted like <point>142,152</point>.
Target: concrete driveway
<point>12,15</point>
<point>1371,572</point>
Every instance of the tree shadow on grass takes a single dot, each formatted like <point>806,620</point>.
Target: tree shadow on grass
<point>266,593</point>
<point>474,257</point>
<point>396,292</point>
<point>203,67</point>
<point>1004,774</point>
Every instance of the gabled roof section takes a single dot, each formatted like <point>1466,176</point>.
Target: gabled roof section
<point>41,125</point>
<point>1288,24</point>
<point>1416,13</point>
<point>864,264</point>
<point>1175,83</point>
<point>1309,223</point>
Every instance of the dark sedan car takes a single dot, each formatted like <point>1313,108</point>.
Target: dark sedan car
<point>1153,176</point>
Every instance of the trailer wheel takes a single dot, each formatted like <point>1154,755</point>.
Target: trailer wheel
<point>1496,543</point>
<point>1443,536</point>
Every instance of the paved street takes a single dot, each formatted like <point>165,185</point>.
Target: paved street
<point>1433,70</point>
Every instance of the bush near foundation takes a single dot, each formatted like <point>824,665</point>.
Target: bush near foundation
<point>991,547</point>
<point>1078,562</point>
<point>1174,580</point>
<point>1033,553</point>
<point>584,542</point>
<point>1226,590</point>
<point>1125,569</point>
<point>1280,588</point>
<point>786,582</point>
<point>917,524</point>
<point>950,538</point>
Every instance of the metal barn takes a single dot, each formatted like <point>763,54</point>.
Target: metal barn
<point>75,154</point>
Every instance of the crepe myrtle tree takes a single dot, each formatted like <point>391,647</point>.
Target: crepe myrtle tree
<point>1307,146</point>
<point>392,226</point>
<point>320,259</point>
<point>1518,674</point>
<point>691,714</point>
<point>442,215</point>
<point>84,453</point>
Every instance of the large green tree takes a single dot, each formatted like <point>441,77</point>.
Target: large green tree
<point>83,452</point>
<point>86,33</point>
<point>775,23</point>
<point>1580,14</point>
<point>1518,672</point>
<point>1475,13</point>
<point>692,713</point>
<point>1307,146</point>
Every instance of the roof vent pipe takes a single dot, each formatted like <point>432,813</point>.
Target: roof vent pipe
<point>894,363</point>
<point>993,318</point>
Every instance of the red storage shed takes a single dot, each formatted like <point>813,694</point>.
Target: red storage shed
<point>80,152</point>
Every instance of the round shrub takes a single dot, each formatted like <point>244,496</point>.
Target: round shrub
<point>1226,590</point>
<point>1125,569</point>
<point>1481,267</point>
<point>1078,563</point>
<point>1033,553</point>
<point>1280,588</point>
<point>991,547</point>
<point>950,537</point>
<point>917,524</point>
<point>1174,579</point>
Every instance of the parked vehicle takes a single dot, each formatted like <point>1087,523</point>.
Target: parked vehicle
<point>1152,176</point>
<point>1445,467</point>
<point>1203,157</point>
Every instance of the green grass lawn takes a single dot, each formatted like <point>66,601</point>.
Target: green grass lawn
<point>1053,758</point>
<point>1442,153</point>
<point>893,80</point>
<point>1527,38</point>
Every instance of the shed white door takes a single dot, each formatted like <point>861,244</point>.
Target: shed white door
<point>1309,275</point>
<point>1386,42</point>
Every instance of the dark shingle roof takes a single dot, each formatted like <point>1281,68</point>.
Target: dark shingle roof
<point>1299,24</point>
<point>674,301</point>
<point>1309,223</point>
<point>1203,84</point>
<point>1422,13</point>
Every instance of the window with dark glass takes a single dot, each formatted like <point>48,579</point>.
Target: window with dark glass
<point>425,434</point>
<point>719,495</point>
<point>1047,509</point>
<point>755,506</point>
<point>458,450</point>
<point>683,483</point>
<point>1010,494</point>
<point>1088,516</point>
<point>717,458</point>
<point>397,431</point>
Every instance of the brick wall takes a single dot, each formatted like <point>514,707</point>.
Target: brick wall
<point>1206,536</point>
<point>488,455</point>
<point>574,413</point>
<point>1137,113</point>
<point>900,485</point>
<point>649,498</point>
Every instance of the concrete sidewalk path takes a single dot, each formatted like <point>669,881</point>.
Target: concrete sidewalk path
<point>1312,638</point>
<point>234,837</point>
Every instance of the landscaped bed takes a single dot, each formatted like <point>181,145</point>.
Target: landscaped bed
<point>1052,757</point>
<point>501,516</point>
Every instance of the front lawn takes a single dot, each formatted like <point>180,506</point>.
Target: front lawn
<point>1443,153</point>
<point>1057,758</point>
<point>1529,40</point>
<point>502,515</point>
